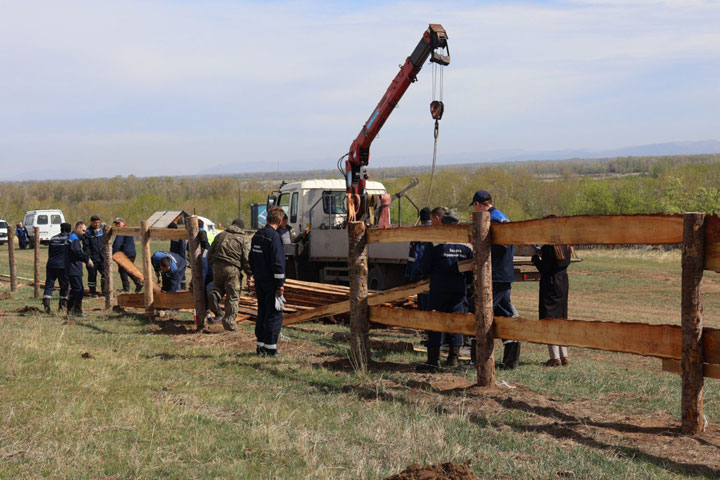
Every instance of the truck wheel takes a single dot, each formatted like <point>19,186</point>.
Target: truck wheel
<point>376,279</point>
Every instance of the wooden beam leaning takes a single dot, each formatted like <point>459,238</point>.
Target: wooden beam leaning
<point>198,282</point>
<point>485,342</point>
<point>147,270</point>
<point>168,300</point>
<point>109,287</point>
<point>36,263</point>
<point>11,259</point>
<point>358,270</point>
<point>693,264</point>
<point>592,230</point>
<point>343,306</point>
<point>461,233</point>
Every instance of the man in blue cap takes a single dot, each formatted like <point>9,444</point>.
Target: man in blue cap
<point>503,274</point>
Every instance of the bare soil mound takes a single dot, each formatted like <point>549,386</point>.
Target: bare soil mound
<point>445,471</point>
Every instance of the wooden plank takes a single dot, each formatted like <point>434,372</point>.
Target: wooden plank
<point>592,230</point>
<point>341,307</point>
<point>107,252</point>
<point>148,289</point>
<point>485,345</point>
<point>166,300</point>
<point>461,233</point>
<point>198,281</point>
<point>131,232</point>
<point>712,243</point>
<point>693,262</point>
<point>662,341</point>
<point>168,234</point>
<point>674,366</point>
<point>122,260</point>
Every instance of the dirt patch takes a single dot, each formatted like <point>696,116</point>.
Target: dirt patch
<point>445,471</point>
<point>28,309</point>
<point>5,296</point>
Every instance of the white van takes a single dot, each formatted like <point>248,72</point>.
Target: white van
<point>210,228</point>
<point>3,231</point>
<point>48,221</point>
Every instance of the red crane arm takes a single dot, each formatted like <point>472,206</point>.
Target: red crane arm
<point>359,155</point>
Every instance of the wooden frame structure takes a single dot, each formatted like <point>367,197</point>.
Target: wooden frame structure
<point>688,349</point>
<point>153,298</point>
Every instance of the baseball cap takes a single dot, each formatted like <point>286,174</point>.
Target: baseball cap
<point>118,220</point>
<point>481,196</point>
<point>450,216</point>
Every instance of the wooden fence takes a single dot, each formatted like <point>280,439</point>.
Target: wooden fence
<point>689,349</point>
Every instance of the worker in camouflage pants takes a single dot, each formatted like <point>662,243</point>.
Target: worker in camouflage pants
<point>228,257</point>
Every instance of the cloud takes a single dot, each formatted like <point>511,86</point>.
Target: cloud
<point>144,84</point>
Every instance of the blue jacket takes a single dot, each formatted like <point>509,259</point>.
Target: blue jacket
<point>413,269</point>
<point>75,256</point>
<point>502,255</point>
<point>56,251</point>
<point>93,244</point>
<point>125,244</point>
<point>21,233</point>
<point>267,257</point>
<point>440,262</point>
<point>171,279</point>
<point>178,246</point>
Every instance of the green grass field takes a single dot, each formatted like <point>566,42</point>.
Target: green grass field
<point>157,401</point>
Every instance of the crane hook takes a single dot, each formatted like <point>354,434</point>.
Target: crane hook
<point>437,108</point>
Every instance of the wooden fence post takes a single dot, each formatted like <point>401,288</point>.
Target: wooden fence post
<point>358,270</point>
<point>485,342</point>
<point>693,261</point>
<point>36,263</point>
<point>147,270</point>
<point>109,287</point>
<point>198,282</point>
<point>11,259</point>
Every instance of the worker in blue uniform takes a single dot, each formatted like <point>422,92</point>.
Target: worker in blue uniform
<point>55,268</point>
<point>75,256</point>
<point>447,291</point>
<point>179,247</point>
<point>413,268</point>
<point>171,268</point>
<point>267,261</point>
<point>22,235</point>
<point>94,248</point>
<point>126,245</point>
<point>503,274</point>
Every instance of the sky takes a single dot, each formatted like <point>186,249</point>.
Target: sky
<point>159,87</point>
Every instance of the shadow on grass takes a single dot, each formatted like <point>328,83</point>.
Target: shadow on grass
<point>93,327</point>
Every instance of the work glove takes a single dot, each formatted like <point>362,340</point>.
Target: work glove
<point>279,303</point>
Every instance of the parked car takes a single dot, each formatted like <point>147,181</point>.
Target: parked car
<point>3,232</point>
<point>48,222</point>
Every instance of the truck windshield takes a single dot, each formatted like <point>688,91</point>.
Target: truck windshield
<point>42,220</point>
<point>284,202</point>
<point>334,203</point>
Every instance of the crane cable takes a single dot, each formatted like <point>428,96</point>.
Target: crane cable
<point>437,109</point>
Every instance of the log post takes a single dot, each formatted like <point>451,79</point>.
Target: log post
<point>147,270</point>
<point>359,320</point>
<point>36,263</point>
<point>485,342</point>
<point>198,282</point>
<point>109,287</point>
<point>693,261</point>
<point>11,259</point>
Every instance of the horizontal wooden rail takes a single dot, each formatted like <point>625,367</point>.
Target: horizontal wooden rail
<point>577,230</point>
<point>156,233</point>
<point>673,366</point>
<point>160,300</point>
<point>662,341</point>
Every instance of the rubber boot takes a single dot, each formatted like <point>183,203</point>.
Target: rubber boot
<point>452,359</point>
<point>102,287</point>
<point>62,305</point>
<point>93,291</point>
<point>78,310</point>
<point>473,352</point>
<point>70,305</point>
<point>46,304</point>
<point>138,287</point>
<point>433,360</point>
<point>511,356</point>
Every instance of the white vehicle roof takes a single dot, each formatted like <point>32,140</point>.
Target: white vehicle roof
<point>327,184</point>
<point>43,210</point>
<point>206,220</point>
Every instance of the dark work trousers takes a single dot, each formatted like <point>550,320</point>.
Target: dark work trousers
<point>125,278</point>
<point>448,303</point>
<point>92,275</point>
<point>269,320</point>
<point>76,293</point>
<point>52,274</point>
<point>501,299</point>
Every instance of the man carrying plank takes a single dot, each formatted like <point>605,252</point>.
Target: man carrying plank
<point>125,244</point>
